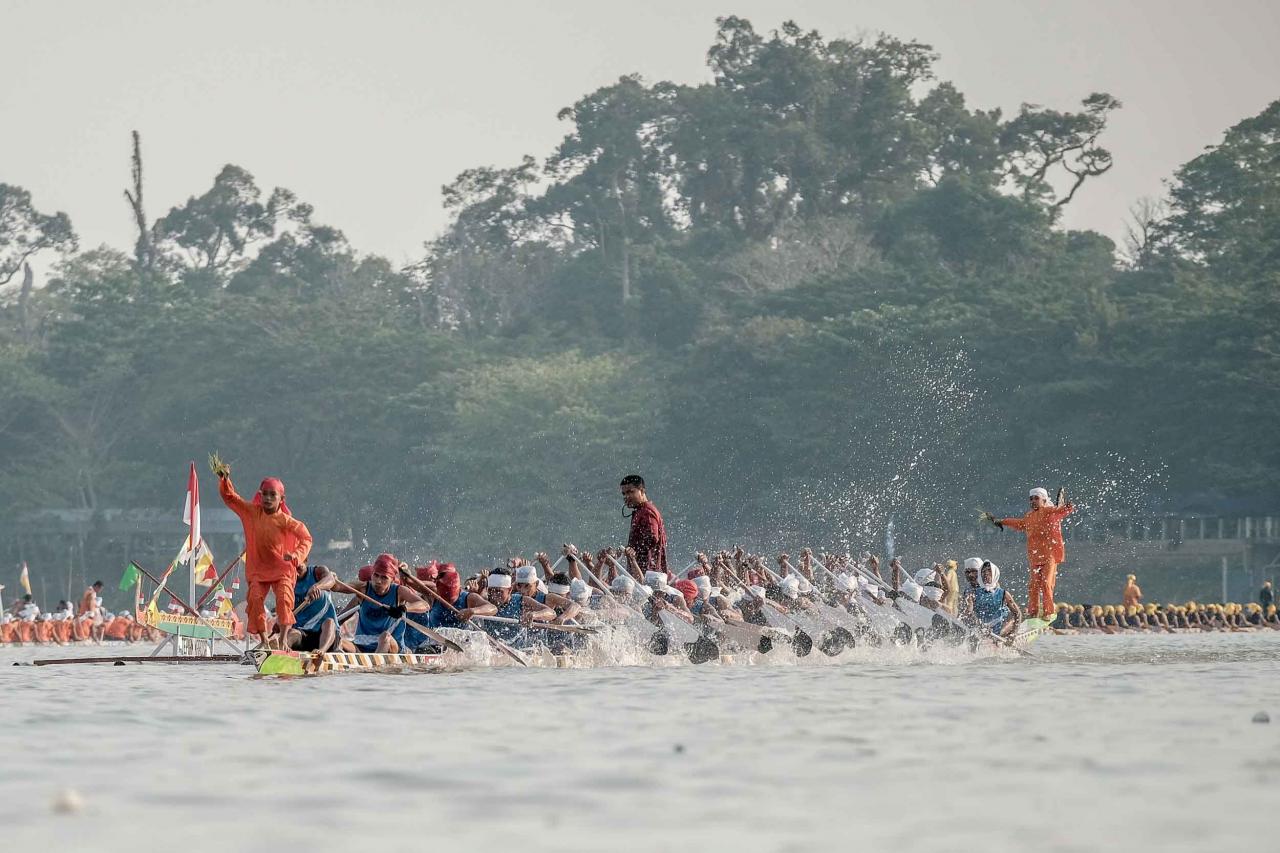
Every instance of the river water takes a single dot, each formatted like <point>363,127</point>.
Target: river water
<point>1100,741</point>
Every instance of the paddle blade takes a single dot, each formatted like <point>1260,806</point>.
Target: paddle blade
<point>702,651</point>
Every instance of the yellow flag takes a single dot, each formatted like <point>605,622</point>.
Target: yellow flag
<point>25,579</point>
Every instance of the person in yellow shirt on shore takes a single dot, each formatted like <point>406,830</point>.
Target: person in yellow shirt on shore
<point>1132,594</point>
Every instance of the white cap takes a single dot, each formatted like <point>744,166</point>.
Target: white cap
<point>911,589</point>
<point>789,586</point>
<point>972,563</point>
<point>526,574</point>
<point>932,592</point>
<point>499,581</point>
<point>924,576</point>
<point>124,613</point>
<point>703,583</point>
<point>655,580</point>
<point>578,590</point>
<point>805,586</point>
<point>995,578</point>
<point>640,591</point>
<point>622,585</point>
<point>558,588</point>
<point>1039,492</point>
<point>846,582</point>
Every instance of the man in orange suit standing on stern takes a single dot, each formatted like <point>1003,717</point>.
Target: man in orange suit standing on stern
<point>1045,549</point>
<point>275,544</point>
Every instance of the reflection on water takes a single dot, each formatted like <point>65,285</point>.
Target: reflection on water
<point>1098,741</point>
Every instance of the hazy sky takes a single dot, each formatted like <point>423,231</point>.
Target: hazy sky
<point>366,109</point>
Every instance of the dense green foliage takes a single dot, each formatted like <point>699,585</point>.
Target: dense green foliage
<point>816,291</point>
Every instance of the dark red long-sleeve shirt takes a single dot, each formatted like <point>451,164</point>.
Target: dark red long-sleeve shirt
<point>649,538</point>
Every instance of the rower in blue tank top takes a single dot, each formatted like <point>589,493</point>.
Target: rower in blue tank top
<point>992,605</point>
<point>439,583</point>
<point>316,625</point>
<point>380,625</point>
<point>512,605</point>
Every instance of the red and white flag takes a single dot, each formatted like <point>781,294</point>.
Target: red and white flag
<point>191,511</point>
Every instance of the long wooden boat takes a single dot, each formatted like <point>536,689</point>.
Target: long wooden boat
<point>275,662</point>
<point>187,626</point>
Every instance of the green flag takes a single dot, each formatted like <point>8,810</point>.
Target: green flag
<point>130,576</point>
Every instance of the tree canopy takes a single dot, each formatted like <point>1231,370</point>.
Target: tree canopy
<point>813,292</point>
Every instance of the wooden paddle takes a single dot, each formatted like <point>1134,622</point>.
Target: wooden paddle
<point>546,626</point>
<point>696,651</point>
<point>701,650</point>
<point>801,643</point>
<point>494,641</point>
<point>422,629</point>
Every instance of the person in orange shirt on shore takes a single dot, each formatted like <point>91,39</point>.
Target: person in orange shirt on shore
<point>1046,549</point>
<point>275,544</point>
<point>91,607</point>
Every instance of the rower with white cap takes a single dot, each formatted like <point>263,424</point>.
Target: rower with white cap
<point>990,605</point>
<point>512,605</point>
<point>934,586</point>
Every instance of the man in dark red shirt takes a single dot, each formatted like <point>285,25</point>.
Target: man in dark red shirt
<point>648,534</point>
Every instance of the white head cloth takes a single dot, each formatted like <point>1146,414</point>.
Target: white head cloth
<point>558,588</point>
<point>655,580</point>
<point>579,591</point>
<point>622,585</point>
<point>805,586</point>
<point>1041,493</point>
<point>499,581</point>
<point>973,563</point>
<point>933,593</point>
<point>790,586</point>
<point>911,589</point>
<point>526,574</point>
<point>703,583</point>
<point>994,583</point>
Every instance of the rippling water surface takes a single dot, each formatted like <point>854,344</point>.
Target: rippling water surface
<point>1097,742</point>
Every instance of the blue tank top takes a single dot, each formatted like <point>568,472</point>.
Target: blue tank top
<point>513,609</point>
<point>312,617</point>
<point>989,607</point>
<point>438,616</point>
<point>373,621</point>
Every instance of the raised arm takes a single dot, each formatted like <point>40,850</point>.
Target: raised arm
<point>1059,512</point>
<point>231,498</point>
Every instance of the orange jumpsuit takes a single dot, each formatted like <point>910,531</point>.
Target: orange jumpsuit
<point>1045,550</point>
<point>268,540</point>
